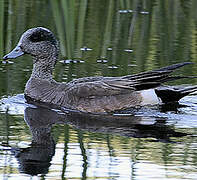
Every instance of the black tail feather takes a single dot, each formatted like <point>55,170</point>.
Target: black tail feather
<point>174,66</point>
<point>174,93</point>
<point>173,78</point>
<point>152,79</point>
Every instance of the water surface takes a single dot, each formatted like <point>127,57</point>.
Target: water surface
<point>108,38</point>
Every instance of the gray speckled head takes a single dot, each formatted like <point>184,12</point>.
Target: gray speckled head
<point>38,42</point>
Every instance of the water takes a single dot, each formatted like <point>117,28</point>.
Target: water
<point>148,146</point>
<point>109,38</point>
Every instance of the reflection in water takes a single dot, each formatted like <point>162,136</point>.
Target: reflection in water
<point>36,159</point>
<point>112,39</point>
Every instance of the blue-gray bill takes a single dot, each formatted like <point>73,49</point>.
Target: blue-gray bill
<point>16,52</point>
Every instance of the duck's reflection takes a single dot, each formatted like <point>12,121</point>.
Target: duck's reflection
<point>36,158</point>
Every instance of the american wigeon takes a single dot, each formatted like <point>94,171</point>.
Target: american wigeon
<point>91,94</point>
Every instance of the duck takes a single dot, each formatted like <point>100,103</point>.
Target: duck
<point>97,94</point>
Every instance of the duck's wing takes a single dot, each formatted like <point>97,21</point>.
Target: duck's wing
<point>109,86</point>
<point>101,88</point>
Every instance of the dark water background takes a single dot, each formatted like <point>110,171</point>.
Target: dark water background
<point>109,38</point>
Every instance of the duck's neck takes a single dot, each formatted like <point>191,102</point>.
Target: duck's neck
<point>42,68</point>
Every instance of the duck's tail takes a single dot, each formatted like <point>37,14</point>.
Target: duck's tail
<point>174,66</point>
<point>173,93</point>
<point>152,79</point>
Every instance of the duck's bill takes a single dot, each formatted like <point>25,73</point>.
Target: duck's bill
<point>16,52</point>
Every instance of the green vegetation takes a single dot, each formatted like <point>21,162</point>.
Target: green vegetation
<point>159,33</point>
<point>132,35</point>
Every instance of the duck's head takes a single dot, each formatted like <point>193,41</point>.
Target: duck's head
<point>39,42</point>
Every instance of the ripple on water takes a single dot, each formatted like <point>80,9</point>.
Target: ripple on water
<point>71,61</point>
<point>13,104</point>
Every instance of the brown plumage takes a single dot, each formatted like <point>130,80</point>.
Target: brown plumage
<point>90,94</point>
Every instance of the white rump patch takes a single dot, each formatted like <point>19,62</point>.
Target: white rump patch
<point>149,97</point>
